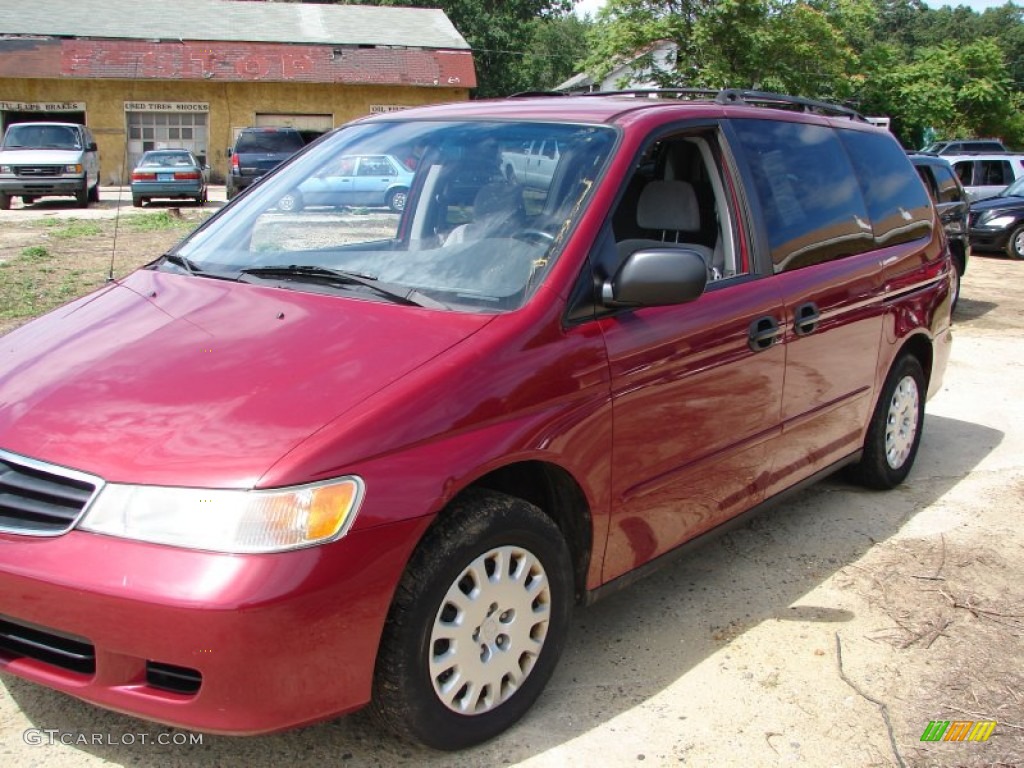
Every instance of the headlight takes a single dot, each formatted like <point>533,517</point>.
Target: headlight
<point>6,169</point>
<point>999,222</point>
<point>72,169</point>
<point>227,520</point>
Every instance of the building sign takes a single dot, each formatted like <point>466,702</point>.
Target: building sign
<point>377,109</point>
<point>42,106</point>
<point>166,106</point>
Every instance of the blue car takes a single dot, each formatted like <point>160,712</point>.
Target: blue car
<point>370,180</point>
<point>170,173</point>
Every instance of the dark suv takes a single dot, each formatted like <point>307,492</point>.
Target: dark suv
<point>950,198</point>
<point>258,151</point>
<point>304,463</point>
<point>964,146</point>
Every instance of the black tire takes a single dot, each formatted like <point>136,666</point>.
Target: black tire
<point>27,200</point>
<point>82,195</point>
<point>397,199</point>
<point>137,202</point>
<point>292,202</point>
<point>1015,245</point>
<point>957,274</point>
<point>510,174</point>
<point>94,193</point>
<point>477,531</point>
<point>894,433</point>
<point>5,202</point>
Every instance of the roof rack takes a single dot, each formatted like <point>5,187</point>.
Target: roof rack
<point>529,94</point>
<point>742,96</point>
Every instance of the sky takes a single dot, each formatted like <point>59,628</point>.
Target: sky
<point>590,6</point>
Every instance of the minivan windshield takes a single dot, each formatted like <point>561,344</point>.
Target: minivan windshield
<point>467,216</point>
<point>42,137</point>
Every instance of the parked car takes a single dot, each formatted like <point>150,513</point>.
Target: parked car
<point>986,175</point>
<point>303,463</point>
<point>950,199</point>
<point>964,146</point>
<point>258,151</point>
<point>169,173</point>
<point>531,164</point>
<point>49,160</point>
<point>997,223</point>
<point>368,180</point>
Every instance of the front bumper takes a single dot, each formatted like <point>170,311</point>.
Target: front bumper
<point>987,239</point>
<point>41,187</point>
<point>235,644</point>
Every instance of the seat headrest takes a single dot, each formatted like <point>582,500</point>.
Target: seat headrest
<point>668,205</point>
<point>497,197</point>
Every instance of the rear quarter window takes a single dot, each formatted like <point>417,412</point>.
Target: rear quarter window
<point>898,204</point>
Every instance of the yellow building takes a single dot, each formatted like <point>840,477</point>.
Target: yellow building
<point>192,73</point>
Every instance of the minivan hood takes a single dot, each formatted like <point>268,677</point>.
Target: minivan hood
<point>170,379</point>
<point>41,156</point>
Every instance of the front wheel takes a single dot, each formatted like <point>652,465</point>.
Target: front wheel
<point>1015,245</point>
<point>94,193</point>
<point>82,195</point>
<point>5,201</point>
<point>894,433</point>
<point>477,624</point>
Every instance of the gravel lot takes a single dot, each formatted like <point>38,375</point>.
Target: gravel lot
<point>828,632</point>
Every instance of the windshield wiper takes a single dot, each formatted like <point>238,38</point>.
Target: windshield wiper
<point>400,294</point>
<point>190,266</point>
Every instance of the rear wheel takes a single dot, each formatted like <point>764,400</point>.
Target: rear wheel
<point>895,430</point>
<point>137,202</point>
<point>291,202</point>
<point>5,202</point>
<point>396,199</point>
<point>477,624</point>
<point>27,200</point>
<point>1015,245</point>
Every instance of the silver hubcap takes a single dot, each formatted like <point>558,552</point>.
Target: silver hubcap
<point>398,201</point>
<point>1018,244</point>
<point>901,422</point>
<point>489,630</point>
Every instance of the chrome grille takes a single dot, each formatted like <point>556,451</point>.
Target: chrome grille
<point>38,171</point>
<point>40,499</point>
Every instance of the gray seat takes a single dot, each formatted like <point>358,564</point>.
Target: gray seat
<point>671,208</point>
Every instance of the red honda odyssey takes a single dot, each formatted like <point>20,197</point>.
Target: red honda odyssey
<point>320,456</point>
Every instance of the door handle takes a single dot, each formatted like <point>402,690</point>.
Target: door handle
<point>764,332</point>
<point>805,319</point>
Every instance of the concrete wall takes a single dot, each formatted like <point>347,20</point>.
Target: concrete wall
<point>232,105</point>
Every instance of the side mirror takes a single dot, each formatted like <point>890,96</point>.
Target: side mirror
<point>656,277</point>
<point>92,147</point>
<point>228,151</point>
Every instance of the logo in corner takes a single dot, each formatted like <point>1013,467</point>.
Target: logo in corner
<point>958,730</point>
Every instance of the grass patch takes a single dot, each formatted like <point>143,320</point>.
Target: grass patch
<point>152,222</point>
<point>70,229</point>
<point>34,252</point>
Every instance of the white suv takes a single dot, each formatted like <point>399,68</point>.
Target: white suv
<point>43,159</point>
<point>986,175</point>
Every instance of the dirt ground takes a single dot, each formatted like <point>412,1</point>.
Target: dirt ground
<point>828,632</point>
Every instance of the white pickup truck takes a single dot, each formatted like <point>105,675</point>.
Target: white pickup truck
<point>44,159</point>
<point>532,163</point>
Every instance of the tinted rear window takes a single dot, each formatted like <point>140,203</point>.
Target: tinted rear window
<point>898,205</point>
<point>813,208</point>
<point>269,141</point>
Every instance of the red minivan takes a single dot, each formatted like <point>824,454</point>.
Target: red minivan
<point>308,460</point>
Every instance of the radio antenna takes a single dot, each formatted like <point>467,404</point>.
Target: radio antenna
<point>121,173</point>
